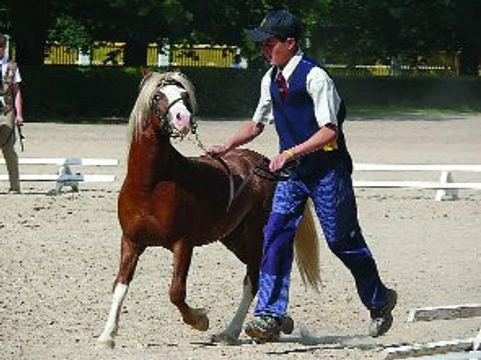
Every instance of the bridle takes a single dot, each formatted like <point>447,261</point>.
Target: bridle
<point>167,128</point>
<point>165,125</point>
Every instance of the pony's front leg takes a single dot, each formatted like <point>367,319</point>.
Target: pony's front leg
<point>129,257</point>
<point>182,258</point>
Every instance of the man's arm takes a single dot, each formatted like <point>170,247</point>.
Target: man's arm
<point>248,132</point>
<point>17,94</point>
<point>326,102</point>
<point>318,140</point>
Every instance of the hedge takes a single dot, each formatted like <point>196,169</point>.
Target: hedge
<point>100,92</point>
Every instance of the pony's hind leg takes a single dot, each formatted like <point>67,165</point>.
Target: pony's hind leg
<point>196,318</point>
<point>246,244</point>
<point>129,257</point>
<point>110,330</point>
<point>231,333</point>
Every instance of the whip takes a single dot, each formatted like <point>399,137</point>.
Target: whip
<point>20,135</point>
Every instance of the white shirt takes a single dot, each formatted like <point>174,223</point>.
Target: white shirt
<point>17,78</point>
<point>318,85</point>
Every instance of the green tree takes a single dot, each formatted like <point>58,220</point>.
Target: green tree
<point>357,29</point>
<point>337,30</point>
<point>135,22</point>
<point>4,19</point>
<point>139,22</point>
<point>467,35</point>
<point>70,32</point>
<point>29,32</point>
<point>225,21</point>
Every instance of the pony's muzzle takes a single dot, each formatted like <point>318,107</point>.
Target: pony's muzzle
<point>181,118</point>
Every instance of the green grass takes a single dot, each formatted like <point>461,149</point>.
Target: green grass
<point>392,111</point>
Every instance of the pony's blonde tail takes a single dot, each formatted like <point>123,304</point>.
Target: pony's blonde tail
<point>306,249</point>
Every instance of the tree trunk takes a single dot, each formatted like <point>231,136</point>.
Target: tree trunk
<point>469,60</point>
<point>468,28</point>
<point>135,53</point>
<point>30,21</point>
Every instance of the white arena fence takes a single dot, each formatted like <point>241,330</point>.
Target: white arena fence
<point>446,188</point>
<point>64,174</point>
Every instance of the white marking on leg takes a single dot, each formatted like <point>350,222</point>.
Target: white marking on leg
<point>112,324</point>
<point>235,326</point>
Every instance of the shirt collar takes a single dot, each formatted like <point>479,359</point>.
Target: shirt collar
<point>292,64</point>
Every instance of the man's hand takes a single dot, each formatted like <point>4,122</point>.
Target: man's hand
<point>217,150</point>
<point>279,161</point>
<point>19,121</point>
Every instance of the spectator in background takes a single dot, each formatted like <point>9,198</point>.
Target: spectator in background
<point>238,62</point>
<point>11,114</point>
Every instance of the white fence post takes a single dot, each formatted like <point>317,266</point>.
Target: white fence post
<point>446,194</point>
<point>163,56</point>
<point>83,58</point>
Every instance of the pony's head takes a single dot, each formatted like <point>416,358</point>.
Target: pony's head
<point>166,102</point>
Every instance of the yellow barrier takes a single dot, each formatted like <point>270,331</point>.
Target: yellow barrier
<point>113,54</point>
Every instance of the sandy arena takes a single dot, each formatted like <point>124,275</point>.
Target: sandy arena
<point>59,254</point>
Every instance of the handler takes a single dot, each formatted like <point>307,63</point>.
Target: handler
<point>302,100</point>
<point>11,114</point>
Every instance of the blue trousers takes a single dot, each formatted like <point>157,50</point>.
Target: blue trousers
<point>335,205</point>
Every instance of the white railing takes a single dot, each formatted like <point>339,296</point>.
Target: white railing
<point>446,187</point>
<point>64,175</point>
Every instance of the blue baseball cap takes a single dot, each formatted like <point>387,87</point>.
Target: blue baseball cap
<point>278,23</point>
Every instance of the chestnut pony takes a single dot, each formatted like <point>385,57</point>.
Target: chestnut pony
<point>178,203</point>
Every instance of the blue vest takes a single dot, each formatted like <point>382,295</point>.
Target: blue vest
<point>295,123</point>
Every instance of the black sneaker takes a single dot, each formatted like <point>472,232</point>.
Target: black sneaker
<point>381,319</point>
<point>264,328</point>
<point>287,325</point>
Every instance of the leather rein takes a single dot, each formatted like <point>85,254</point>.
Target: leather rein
<point>261,169</point>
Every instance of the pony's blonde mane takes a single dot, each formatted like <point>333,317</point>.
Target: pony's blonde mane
<point>141,113</point>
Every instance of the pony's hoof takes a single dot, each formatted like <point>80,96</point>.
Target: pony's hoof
<point>107,342</point>
<point>202,323</point>
<point>225,338</point>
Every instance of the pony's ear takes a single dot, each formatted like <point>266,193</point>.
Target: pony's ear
<point>146,74</point>
<point>145,71</point>
<point>186,97</point>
